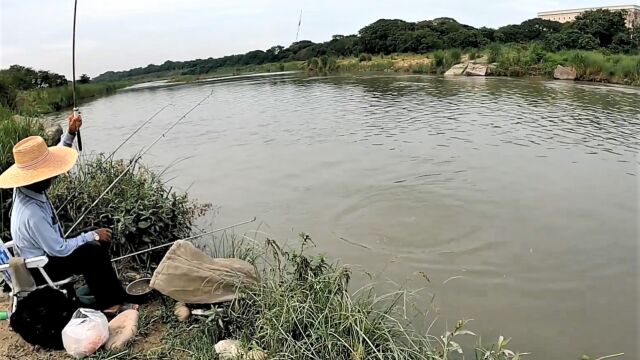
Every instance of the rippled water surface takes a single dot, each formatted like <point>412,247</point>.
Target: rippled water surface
<point>525,192</point>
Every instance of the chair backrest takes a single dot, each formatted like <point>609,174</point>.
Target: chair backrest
<point>5,255</point>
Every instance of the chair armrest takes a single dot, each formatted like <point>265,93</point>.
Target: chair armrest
<point>36,262</point>
<point>33,263</point>
<point>9,244</point>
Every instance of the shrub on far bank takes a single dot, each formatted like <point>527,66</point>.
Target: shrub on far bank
<point>365,57</point>
<point>46,100</point>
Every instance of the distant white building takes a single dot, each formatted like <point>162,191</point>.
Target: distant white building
<point>633,14</point>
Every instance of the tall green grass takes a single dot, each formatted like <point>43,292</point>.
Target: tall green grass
<point>303,308</point>
<point>532,60</point>
<point>442,60</point>
<point>46,100</point>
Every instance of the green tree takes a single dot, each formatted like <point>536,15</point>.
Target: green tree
<point>634,34</point>
<point>84,79</point>
<point>465,39</point>
<point>538,29</point>
<point>20,77</point>
<point>383,36</point>
<point>510,34</point>
<point>341,45</point>
<point>7,95</point>
<point>622,42</point>
<point>488,33</point>
<point>602,24</point>
<point>571,39</point>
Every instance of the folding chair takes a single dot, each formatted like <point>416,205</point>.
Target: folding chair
<point>33,263</point>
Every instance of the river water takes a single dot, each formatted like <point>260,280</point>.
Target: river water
<point>523,194</point>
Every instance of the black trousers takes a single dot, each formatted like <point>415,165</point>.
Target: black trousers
<point>92,261</point>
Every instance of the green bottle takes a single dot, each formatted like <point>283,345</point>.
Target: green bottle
<point>4,315</point>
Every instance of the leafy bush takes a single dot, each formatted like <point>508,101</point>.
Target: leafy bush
<point>439,59</point>
<point>453,56</point>
<point>46,100</point>
<point>365,57</point>
<point>323,65</point>
<point>536,53</point>
<point>142,211</point>
<point>495,51</point>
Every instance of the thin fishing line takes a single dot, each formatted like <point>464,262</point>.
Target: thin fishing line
<point>185,239</point>
<point>135,160</point>
<point>79,186</point>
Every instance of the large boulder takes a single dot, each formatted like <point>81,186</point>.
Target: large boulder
<point>52,133</point>
<point>476,70</point>
<point>565,73</point>
<point>456,70</point>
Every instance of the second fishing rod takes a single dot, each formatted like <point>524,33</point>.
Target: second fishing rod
<point>134,161</point>
<point>85,181</point>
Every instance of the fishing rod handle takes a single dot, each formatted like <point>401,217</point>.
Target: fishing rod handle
<point>76,112</point>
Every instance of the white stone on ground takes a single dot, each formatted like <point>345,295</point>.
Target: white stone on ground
<point>227,349</point>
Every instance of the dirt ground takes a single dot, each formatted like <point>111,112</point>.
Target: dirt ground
<point>12,347</point>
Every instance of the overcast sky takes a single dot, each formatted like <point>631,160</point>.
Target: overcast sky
<point>121,34</point>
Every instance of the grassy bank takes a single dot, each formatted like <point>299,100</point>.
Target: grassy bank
<point>506,60</point>
<point>233,71</point>
<point>515,61</point>
<point>46,100</point>
<point>302,308</point>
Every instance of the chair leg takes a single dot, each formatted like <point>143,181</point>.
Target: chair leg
<point>13,303</point>
<point>47,278</point>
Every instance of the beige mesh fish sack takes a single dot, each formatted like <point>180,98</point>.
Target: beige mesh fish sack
<point>188,275</point>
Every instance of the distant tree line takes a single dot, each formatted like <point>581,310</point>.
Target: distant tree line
<point>21,78</point>
<point>593,30</point>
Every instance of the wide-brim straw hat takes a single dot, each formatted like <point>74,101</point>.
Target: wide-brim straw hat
<point>34,162</point>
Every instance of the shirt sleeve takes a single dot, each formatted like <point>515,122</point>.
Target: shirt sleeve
<point>67,139</point>
<point>50,240</point>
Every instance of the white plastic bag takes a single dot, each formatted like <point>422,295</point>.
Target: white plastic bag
<point>87,331</point>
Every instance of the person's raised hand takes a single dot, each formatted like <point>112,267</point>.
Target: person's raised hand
<point>74,123</point>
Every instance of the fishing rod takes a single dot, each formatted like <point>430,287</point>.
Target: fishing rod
<point>299,24</point>
<point>185,239</point>
<point>134,161</point>
<point>76,111</point>
<point>77,188</point>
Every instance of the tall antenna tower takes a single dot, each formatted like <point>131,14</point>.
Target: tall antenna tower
<point>299,25</point>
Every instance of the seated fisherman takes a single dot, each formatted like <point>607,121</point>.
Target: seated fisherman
<point>36,230</point>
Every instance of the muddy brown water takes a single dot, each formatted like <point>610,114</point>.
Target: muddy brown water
<point>522,193</point>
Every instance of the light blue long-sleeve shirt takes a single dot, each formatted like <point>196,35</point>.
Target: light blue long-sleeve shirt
<point>34,226</point>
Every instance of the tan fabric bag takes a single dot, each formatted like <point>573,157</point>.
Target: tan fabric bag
<point>188,275</point>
